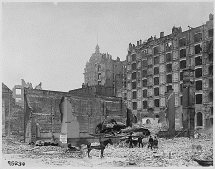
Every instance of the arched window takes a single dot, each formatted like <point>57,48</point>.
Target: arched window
<point>199,119</point>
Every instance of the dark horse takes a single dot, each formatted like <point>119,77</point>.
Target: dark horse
<point>99,147</point>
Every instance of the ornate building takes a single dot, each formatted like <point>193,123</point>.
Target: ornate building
<point>103,70</point>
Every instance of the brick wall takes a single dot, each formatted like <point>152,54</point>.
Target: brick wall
<point>42,111</point>
<point>87,113</point>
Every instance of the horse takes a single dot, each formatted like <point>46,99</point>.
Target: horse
<point>99,147</point>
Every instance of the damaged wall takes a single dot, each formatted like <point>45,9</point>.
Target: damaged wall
<point>45,110</point>
<point>12,115</point>
<point>81,115</point>
<point>42,113</point>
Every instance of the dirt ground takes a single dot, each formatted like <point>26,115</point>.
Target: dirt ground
<point>178,152</point>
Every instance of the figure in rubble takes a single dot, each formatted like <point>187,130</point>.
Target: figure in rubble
<point>155,142</point>
<point>140,141</point>
<point>150,142</point>
<point>130,141</point>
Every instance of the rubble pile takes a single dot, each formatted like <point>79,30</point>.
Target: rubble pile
<point>171,152</point>
<point>23,148</point>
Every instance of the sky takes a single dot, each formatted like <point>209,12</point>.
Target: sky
<point>51,42</point>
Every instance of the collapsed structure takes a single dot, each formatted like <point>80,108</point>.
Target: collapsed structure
<point>56,113</point>
<point>169,78</point>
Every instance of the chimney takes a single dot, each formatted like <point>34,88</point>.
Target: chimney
<point>211,17</point>
<point>161,34</point>
<point>137,43</point>
<point>140,41</point>
<point>130,46</point>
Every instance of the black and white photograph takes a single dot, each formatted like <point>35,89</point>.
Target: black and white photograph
<point>107,84</point>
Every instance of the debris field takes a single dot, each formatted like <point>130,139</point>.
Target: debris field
<point>171,152</point>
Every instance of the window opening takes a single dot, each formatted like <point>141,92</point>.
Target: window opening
<point>198,49</point>
<point>199,99</point>
<point>198,72</point>
<point>199,119</point>
<point>156,81</point>
<point>199,85</point>
<point>182,53</point>
<point>169,78</point>
<point>182,64</point>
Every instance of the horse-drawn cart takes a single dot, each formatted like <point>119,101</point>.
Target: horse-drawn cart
<point>81,150</point>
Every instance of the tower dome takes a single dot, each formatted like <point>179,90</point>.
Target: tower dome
<point>97,48</point>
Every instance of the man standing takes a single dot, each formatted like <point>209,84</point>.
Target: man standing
<point>140,141</point>
<point>150,142</point>
<point>155,142</point>
<point>130,141</point>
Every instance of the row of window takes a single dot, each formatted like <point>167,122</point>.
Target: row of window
<point>182,42</point>
<point>169,57</point>
<point>169,67</point>
<point>198,100</point>
<point>198,61</point>
<point>198,86</point>
<point>198,74</point>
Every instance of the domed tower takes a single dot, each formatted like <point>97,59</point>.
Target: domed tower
<point>97,48</point>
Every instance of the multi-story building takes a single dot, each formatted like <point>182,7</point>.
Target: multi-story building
<point>103,70</point>
<point>156,65</point>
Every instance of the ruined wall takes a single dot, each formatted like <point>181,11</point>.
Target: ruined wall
<point>12,115</point>
<point>43,110</point>
<point>87,113</point>
<point>42,113</point>
<point>94,90</point>
<point>3,118</point>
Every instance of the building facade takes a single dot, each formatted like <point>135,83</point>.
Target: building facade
<point>103,70</point>
<point>156,65</point>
